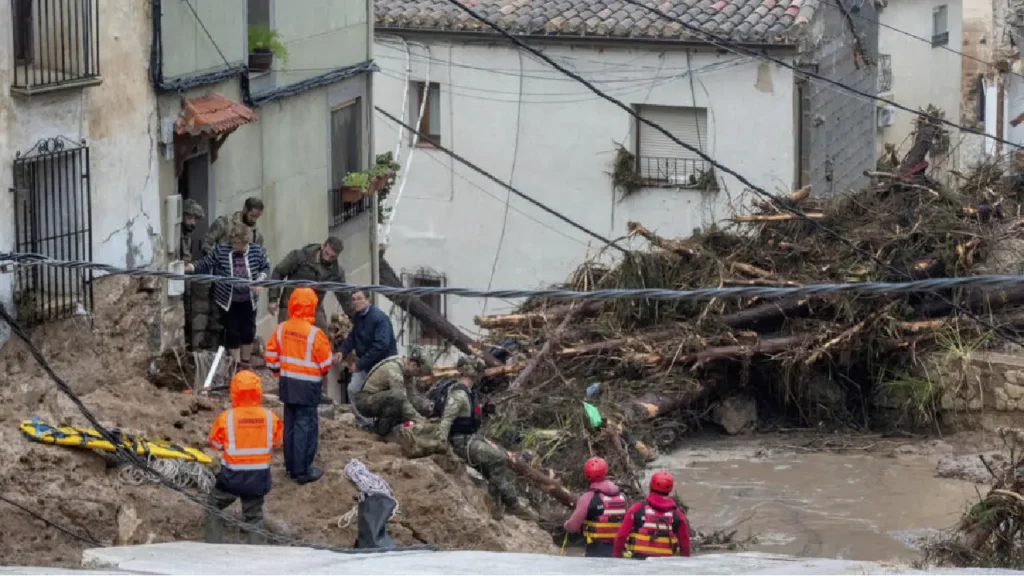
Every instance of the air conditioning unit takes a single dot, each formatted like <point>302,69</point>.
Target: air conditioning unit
<point>885,115</point>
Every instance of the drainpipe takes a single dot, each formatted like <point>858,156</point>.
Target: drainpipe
<point>1000,113</point>
<point>374,200</point>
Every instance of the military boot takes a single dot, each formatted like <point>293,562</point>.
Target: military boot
<point>256,536</point>
<point>214,529</point>
<point>523,511</point>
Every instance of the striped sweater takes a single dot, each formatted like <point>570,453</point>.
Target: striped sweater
<point>218,262</point>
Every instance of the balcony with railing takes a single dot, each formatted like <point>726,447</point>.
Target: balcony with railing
<point>675,172</point>
<point>342,211</point>
<point>56,45</point>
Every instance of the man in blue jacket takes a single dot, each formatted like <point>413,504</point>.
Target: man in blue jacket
<point>372,338</point>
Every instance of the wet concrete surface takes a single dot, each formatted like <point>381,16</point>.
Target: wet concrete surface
<point>862,506</point>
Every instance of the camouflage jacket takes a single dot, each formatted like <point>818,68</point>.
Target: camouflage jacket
<point>221,227</point>
<point>459,404</point>
<point>185,250</point>
<point>305,264</point>
<point>389,374</point>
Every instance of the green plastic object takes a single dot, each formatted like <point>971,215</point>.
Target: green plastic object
<point>593,415</point>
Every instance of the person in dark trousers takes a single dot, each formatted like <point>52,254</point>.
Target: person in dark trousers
<point>299,353</point>
<point>372,339</point>
<point>654,527</point>
<point>599,511</point>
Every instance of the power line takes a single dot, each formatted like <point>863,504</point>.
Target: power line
<point>733,47</point>
<point>504,185</point>
<point>129,457</point>
<point>932,285</point>
<point>90,539</point>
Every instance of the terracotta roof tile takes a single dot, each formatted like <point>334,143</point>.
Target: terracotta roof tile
<point>755,21</point>
<point>213,115</point>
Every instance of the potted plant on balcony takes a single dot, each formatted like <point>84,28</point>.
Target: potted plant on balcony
<point>378,179</point>
<point>264,44</point>
<point>355,186</point>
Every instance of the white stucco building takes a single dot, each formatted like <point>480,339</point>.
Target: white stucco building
<point>556,141</point>
<point>78,169</point>
<point>920,65</point>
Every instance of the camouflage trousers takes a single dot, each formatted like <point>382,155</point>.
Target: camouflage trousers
<point>491,461</point>
<point>389,407</point>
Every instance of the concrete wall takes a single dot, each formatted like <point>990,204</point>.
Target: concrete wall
<point>922,75</point>
<point>556,143</point>
<point>186,47</point>
<point>841,125</point>
<point>322,36</point>
<point>117,120</point>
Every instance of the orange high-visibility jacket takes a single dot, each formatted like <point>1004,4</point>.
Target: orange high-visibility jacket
<point>245,434</point>
<point>299,352</point>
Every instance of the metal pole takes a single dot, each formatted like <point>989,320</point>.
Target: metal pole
<point>375,202</point>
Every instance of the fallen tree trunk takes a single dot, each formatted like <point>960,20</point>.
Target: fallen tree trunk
<point>766,346</point>
<point>545,481</point>
<point>778,217</point>
<point>652,336</point>
<point>769,311</point>
<point>975,300</point>
<point>676,246</point>
<point>429,317</point>
<point>452,372</point>
<point>532,318</point>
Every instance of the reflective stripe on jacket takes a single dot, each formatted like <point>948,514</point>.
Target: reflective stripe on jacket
<point>245,434</point>
<point>654,533</point>
<point>298,352</point>
<point>604,516</point>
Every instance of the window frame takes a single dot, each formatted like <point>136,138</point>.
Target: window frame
<point>940,37</point>
<point>340,211</point>
<point>424,125</point>
<point>699,164</point>
<point>68,50</point>
<point>414,327</point>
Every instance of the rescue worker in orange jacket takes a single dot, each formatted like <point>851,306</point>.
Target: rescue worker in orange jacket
<point>244,434</point>
<point>599,511</point>
<point>654,527</point>
<point>299,353</point>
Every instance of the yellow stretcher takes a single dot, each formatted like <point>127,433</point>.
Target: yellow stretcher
<point>85,438</point>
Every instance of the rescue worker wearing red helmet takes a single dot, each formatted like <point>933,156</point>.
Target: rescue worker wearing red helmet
<point>654,527</point>
<point>599,511</point>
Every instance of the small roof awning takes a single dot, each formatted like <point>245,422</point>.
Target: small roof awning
<point>212,115</point>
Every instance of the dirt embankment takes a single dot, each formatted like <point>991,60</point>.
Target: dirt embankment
<point>106,363</point>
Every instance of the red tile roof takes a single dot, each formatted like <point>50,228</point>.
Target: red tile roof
<point>212,115</point>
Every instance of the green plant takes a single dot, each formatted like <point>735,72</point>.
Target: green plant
<point>359,180</point>
<point>262,37</point>
<point>625,178</point>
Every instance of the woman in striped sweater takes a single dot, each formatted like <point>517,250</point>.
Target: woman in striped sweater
<point>239,259</point>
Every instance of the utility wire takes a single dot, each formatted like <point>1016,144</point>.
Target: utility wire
<point>129,456</point>
<point>90,539</point>
<point>504,185</point>
<point>988,282</point>
<point>733,47</point>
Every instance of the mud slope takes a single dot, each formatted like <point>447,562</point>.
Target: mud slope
<point>106,362</point>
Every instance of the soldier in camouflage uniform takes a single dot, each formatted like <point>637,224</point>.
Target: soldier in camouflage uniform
<point>460,421</point>
<point>191,214</point>
<point>221,227</point>
<point>384,395</point>
<point>417,365</point>
<point>316,262</point>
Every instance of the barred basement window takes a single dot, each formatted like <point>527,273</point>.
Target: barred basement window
<point>56,44</point>
<point>662,162</point>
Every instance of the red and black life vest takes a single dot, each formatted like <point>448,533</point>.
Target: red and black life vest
<point>604,516</point>
<point>654,533</point>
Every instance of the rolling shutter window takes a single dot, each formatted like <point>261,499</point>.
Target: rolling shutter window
<point>688,124</point>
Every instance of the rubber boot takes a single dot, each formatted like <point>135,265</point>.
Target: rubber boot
<point>214,530</point>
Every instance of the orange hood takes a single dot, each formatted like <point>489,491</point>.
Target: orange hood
<point>246,389</point>
<point>302,304</point>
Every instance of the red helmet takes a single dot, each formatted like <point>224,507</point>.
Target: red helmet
<point>662,482</point>
<point>596,469</point>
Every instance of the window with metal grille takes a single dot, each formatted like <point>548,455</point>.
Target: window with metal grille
<point>53,218</point>
<point>418,332</point>
<point>884,73</point>
<point>56,44</point>
<point>940,26</point>
<point>662,162</point>
<point>430,124</point>
<point>346,157</point>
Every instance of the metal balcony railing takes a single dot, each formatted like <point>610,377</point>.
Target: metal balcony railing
<point>674,172</point>
<point>341,211</point>
<point>56,43</point>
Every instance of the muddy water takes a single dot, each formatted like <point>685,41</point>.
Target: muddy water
<point>857,507</point>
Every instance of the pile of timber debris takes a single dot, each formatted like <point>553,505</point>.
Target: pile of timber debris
<point>811,361</point>
<point>991,532</point>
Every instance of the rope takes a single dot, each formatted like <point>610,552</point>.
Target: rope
<point>368,483</point>
<point>182,473</point>
<point>700,294</point>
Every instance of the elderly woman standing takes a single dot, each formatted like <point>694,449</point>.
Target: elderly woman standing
<point>239,259</point>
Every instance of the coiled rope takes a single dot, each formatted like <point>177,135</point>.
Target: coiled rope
<point>368,483</point>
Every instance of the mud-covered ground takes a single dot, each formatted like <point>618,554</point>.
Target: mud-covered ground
<point>106,362</point>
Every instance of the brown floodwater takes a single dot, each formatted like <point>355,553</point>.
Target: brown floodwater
<point>849,506</point>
